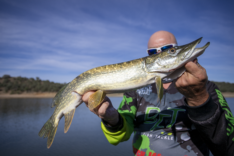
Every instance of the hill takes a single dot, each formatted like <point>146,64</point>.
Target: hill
<point>18,85</point>
<point>225,86</point>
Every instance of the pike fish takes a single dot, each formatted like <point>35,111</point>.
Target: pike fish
<point>118,78</point>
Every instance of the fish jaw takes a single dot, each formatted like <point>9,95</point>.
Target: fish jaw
<point>175,73</point>
<point>187,50</point>
<point>199,51</point>
<point>189,56</point>
<point>174,58</point>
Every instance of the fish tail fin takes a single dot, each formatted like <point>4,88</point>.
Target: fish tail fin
<point>68,120</point>
<point>48,131</point>
<point>51,137</point>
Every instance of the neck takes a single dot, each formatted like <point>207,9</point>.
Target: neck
<point>166,85</point>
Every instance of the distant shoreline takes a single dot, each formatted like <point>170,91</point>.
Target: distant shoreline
<point>228,94</point>
<point>51,95</point>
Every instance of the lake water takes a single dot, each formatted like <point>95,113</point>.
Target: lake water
<point>22,119</point>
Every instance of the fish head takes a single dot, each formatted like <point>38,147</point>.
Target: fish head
<point>174,58</point>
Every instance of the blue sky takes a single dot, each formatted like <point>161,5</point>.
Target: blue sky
<point>57,40</point>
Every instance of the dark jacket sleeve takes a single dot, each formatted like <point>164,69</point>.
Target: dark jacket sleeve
<point>214,122</point>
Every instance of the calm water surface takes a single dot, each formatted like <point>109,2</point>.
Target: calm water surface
<point>22,119</point>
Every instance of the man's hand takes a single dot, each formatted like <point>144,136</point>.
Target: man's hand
<point>192,84</point>
<point>105,110</point>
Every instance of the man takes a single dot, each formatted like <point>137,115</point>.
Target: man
<point>195,116</point>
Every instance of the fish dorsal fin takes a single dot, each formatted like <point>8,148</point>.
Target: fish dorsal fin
<point>159,87</point>
<point>58,96</point>
<point>68,120</point>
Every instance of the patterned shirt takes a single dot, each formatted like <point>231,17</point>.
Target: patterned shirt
<point>171,127</point>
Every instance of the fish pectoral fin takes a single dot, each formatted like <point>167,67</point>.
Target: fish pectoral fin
<point>68,120</point>
<point>159,87</point>
<point>96,99</point>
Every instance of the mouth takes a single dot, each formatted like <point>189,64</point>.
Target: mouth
<point>192,56</point>
<point>191,49</point>
<point>193,53</point>
<point>184,54</point>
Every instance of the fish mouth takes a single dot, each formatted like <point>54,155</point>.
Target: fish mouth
<point>189,48</point>
<point>191,52</point>
<point>198,51</point>
<point>174,58</point>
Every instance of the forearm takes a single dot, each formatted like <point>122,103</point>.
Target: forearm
<point>125,126</point>
<point>118,133</point>
<point>110,117</point>
<point>214,122</point>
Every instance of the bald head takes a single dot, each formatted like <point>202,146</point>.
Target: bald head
<point>161,38</point>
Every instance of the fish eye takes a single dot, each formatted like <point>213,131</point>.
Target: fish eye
<point>172,50</point>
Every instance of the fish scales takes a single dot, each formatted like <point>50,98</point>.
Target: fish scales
<point>112,78</point>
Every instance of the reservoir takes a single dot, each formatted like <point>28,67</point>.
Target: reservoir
<point>22,119</point>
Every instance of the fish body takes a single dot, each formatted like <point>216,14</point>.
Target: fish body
<point>119,78</point>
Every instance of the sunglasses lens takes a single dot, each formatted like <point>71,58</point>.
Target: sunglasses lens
<point>152,51</point>
<point>166,47</point>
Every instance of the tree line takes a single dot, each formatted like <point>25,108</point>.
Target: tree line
<point>18,85</point>
<point>225,86</point>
